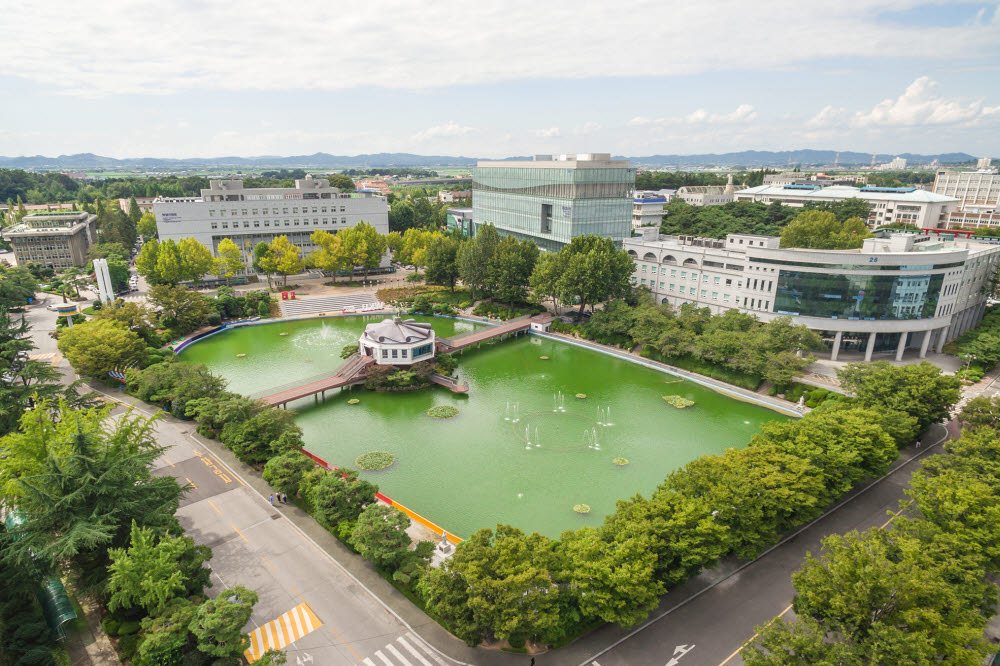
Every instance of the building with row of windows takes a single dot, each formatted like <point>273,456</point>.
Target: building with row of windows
<point>248,216</point>
<point>550,200</point>
<point>978,194</point>
<point>896,292</point>
<point>57,239</point>
<point>889,205</point>
<point>647,210</point>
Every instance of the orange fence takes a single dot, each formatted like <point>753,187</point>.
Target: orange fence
<point>434,527</point>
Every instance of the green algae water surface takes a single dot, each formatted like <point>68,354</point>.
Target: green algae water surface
<point>523,449</point>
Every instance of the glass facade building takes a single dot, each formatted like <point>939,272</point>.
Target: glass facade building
<point>846,296</point>
<point>551,201</point>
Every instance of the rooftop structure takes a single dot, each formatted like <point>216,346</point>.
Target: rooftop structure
<point>647,210</point>
<point>896,292</point>
<point>552,199</point>
<point>889,205</point>
<point>397,342</point>
<point>249,216</point>
<point>707,195</point>
<point>57,239</point>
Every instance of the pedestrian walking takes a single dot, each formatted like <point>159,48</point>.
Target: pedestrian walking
<point>271,499</point>
<point>532,662</point>
<point>284,498</point>
<point>919,442</point>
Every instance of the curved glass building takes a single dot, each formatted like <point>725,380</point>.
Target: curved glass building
<point>896,292</point>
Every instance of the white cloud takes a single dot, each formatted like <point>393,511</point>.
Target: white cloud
<point>828,116</point>
<point>640,121</point>
<point>742,113</point>
<point>184,45</point>
<point>920,104</point>
<point>449,129</point>
<point>587,128</point>
<point>546,133</point>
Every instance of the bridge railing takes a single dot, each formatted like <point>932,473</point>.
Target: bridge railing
<point>348,365</point>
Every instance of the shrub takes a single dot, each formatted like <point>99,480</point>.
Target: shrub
<point>128,628</point>
<point>264,309</point>
<point>213,319</point>
<point>127,645</point>
<point>110,625</point>
<point>415,277</point>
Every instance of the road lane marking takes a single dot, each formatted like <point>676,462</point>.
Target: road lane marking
<point>397,654</point>
<point>271,636</point>
<point>241,534</point>
<point>423,644</point>
<point>412,650</point>
<point>57,360</point>
<point>383,658</point>
<point>168,461</point>
<point>754,637</point>
<point>191,483</point>
<point>341,638</point>
<point>268,563</point>
<point>215,507</point>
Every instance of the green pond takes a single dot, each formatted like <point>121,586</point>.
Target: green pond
<point>522,448</point>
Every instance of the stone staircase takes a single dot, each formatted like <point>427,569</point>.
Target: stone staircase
<point>319,304</point>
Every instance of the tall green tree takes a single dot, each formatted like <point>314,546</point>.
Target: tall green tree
<point>920,390</point>
<point>594,271</point>
<point>230,259</point>
<point>17,285</point>
<point>284,471</point>
<point>22,380</point>
<point>509,271</point>
<point>134,212</point>
<point>380,534</point>
<point>196,259</point>
<point>475,257</point>
<point>146,226</point>
<point>337,499</point>
<point>821,230</point>
<point>155,569</point>
<point>98,346</point>
<point>180,308</point>
<point>146,264</point>
<point>90,490</point>
<point>441,260</point>
<point>286,257</point>
<point>218,623</point>
<point>374,246</point>
<point>169,264</point>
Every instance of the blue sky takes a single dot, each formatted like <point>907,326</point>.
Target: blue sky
<point>635,77</point>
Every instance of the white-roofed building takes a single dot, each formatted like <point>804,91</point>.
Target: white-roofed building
<point>889,205</point>
<point>397,342</point>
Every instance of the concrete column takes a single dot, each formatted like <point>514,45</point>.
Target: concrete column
<point>925,344</point>
<point>836,345</point>
<point>942,337</point>
<point>871,346</point>
<point>901,346</point>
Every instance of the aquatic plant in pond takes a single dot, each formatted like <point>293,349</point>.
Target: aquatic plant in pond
<point>677,401</point>
<point>443,411</point>
<point>374,460</point>
<point>581,508</point>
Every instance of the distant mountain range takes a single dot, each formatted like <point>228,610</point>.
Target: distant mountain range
<point>746,158</point>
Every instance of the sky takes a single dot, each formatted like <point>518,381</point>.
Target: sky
<point>206,78</point>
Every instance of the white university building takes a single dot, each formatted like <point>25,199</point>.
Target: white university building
<point>248,216</point>
<point>897,292</point>
<point>889,205</point>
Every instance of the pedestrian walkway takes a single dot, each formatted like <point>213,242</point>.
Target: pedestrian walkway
<point>286,629</point>
<point>403,652</point>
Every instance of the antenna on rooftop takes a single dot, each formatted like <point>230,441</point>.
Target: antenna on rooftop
<point>873,160</point>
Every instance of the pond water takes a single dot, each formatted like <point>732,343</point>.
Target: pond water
<point>523,449</point>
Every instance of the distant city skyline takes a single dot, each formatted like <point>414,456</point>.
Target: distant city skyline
<point>181,79</point>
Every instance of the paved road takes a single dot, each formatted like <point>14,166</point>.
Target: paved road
<point>722,617</point>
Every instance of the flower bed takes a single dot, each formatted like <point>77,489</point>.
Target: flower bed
<point>374,460</point>
<point>443,411</point>
<point>677,401</point>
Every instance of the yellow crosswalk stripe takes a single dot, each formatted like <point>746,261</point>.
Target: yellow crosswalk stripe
<point>278,633</point>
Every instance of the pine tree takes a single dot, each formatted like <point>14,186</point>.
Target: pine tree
<point>22,380</point>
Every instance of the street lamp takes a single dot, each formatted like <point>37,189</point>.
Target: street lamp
<point>968,365</point>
